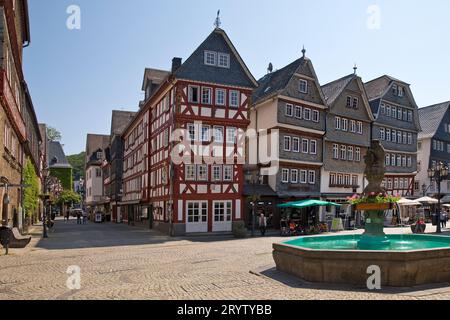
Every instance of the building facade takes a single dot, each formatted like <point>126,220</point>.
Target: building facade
<point>397,127</point>
<point>347,139</point>
<point>291,101</point>
<point>433,147</point>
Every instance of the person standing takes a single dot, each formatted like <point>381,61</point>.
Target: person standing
<point>85,217</point>
<point>78,217</point>
<point>262,224</point>
<point>443,219</point>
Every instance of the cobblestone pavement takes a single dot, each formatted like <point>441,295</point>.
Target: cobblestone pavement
<point>119,262</point>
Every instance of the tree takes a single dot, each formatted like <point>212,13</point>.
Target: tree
<point>53,134</point>
<point>31,191</point>
<point>77,162</point>
<point>68,197</point>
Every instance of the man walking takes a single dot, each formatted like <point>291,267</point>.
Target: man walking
<point>262,224</point>
<point>78,217</point>
<point>444,219</point>
<point>84,217</point>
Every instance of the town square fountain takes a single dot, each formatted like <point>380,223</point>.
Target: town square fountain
<point>404,260</point>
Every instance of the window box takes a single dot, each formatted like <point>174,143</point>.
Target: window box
<point>374,206</point>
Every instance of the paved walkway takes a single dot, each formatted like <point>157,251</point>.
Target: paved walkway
<point>119,262</point>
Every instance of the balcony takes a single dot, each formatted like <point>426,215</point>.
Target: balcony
<point>11,108</point>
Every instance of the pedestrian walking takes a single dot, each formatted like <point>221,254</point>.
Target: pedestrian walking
<point>262,224</point>
<point>78,217</point>
<point>444,217</point>
<point>85,216</point>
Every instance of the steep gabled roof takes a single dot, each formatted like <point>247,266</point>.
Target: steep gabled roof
<point>120,120</point>
<point>378,87</point>
<point>430,118</point>
<point>155,75</point>
<point>334,89</point>
<point>195,69</point>
<point>57,157</point>
<point>95,142</point>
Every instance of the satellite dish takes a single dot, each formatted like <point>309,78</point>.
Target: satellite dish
<point>270,68</point>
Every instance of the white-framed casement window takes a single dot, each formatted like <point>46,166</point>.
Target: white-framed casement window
<point>394,112</point>
<point>303,86</point>
<point>197,212</point>
<point>227,173</point>
<point>289,110</point>
<point>305,146</point>
<point>350,153</point>
<point>335,151</point>
<point>394,136</point>
<point>344,124</point>
<point>353,126</point>
<point>210,58</point>
<point>311,177</point>
<point>303,176</point>
<point>388,135</point>
<point>202,172</point>
<point>396,183</point>
<point>399,114</point>
<point>399,160</point>
<point>395,89</point>
<point>357,154</point>
<point>296,144</point>
<point>343,153</point>
<point>205,134</point>
<point>360,127</point>
<point>216,171</point>
<point>404,162</point>
<point>405,115</point>
<point>337,123</point>
<point>393,160</point>
<point>206,95</point>
<point>313,146</point>
<point>382,134</point>
<point>410,116</point>
<point>223,60</point>
<point>307,114</point>
<point>218,134</point>
<point>400,91</point>
<point>285,175</point>
<point>347,180</point>
<point>349,102</point>
<point>340,179</point>
<point>383,109</point>
<point>355,103</point>
<point>409,161</point>
<point>298,112</point>
<point>355,181</point>
<point>190,172</point>
<point>332,179</point>
<point>388,111</point>
<point>409,138</point>
<point>191,132</point>
<point>315,116</point>
<point>231,135</point>
<point>193,95</point>
<point>287,143</point>
<point>220,97</point>
<point>387,162</point>
<point>234,98</point>
<point>294,176</point>
<point>399,137</point>
<point>405,138</point>
<point>222,211</point>
<point>389,184</point>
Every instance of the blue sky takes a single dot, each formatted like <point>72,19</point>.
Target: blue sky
<point>77,77</point>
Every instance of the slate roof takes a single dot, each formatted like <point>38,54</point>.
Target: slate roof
<point>56,155</point>
<point>120,120</point>
<point>376,88</point>
<point>262,190</point>
<point>276,81</point>
<point>95,142</point>
<point>155,75</point>
<point>194,68</point>
<point>333,89</point>
<point>430,118</point>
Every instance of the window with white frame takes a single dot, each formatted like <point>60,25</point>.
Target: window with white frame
<point>353,126</point>
<point>307,114</point>
<point>206,95</point>
<point>350,153</point>
<point>190,172</point>
<point>295,144</point>
<point>234,98</point>
<point>388,111</point>
<point>357,154</point>
<point>344,124</point>
<point>349,102</point>
<point>383,109</point>
<point>404,162</point>
<point>399,137</point>
<point>313,147</point>
<point>294,176</point>
<point>337,123</point>
<point>285,175</point>
<point>191,131</point>
<point>202,172</point>
<point>222,211</point>
<point>399,114</point>
<point>305,146</point>
<point>343,153</point>
<point>218,134</point>
<point>399,160</point>
<point>289,110</point>
<point>303,176</point>
<point>400,91</point>
<point>287,143</point>
<point>205,134</point>
<point>315,116</point>
<point>409,138</point>
<point>303,86</point>
<point>405,115</point>
<point>387,161</point>
<point>360,127</point>
<point>394,136</point>
<point>227,173</point>
<point>347,180</point>
<point>298,112</point>
<point>388,135</point>
<point>210,58</point>
<point>220,97</point>
<point>193,95</point>
<point>355,103</point>
<point>355,181</point>
<point>312,177</point>
<point>409,161</point>
<point>231,135</point>
<point>223,60</point>
<point>394,112</point>
<point>197,212</point>
<point>216,173</point>
<point>382,134</point>
<point>410,116</point>
<point>335,151</point>
<point>333,179</point>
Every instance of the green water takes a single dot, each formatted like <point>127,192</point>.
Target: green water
<point>350,242</point>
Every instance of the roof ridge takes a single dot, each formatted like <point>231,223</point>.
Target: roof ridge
<point>435,105</point>
<point>337,80</point>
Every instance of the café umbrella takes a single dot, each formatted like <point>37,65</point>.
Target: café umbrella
<point>427,200</point>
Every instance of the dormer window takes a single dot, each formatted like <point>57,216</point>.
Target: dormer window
<point>355,103</point>
<point>400,92</point>
<point>303,86</point>
<point>395,90</point>
<point>210,58</point>
<point>224,60</point>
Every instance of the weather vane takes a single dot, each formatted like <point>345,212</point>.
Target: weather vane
<point>217,23</point>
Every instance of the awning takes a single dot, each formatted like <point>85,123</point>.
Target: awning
<point>446,199</point>
<point>427,200</point>
<point>406,202</point>
<point>307,204</point>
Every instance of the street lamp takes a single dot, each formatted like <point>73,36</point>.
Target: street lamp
<point>438,174</point>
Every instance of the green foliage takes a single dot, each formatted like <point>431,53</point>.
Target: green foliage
<point>77,162</point>
<point>31,192</point>
<point>373,198</point>
<point>53,134</point>
<point>68,197</point>
<point>65,177</point>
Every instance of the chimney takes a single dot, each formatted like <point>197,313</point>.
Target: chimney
<point>176,63</point>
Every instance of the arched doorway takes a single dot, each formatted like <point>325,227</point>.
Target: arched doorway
<point>5,204</point>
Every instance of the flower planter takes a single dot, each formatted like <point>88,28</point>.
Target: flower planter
<point>374,206</point>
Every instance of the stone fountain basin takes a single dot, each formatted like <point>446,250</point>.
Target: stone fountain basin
<point>399,268</point>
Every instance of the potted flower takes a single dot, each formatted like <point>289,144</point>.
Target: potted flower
<point>373,202</point>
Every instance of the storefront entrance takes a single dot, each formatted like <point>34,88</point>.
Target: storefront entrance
<point>222,211</point>
<point>197,216</point>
